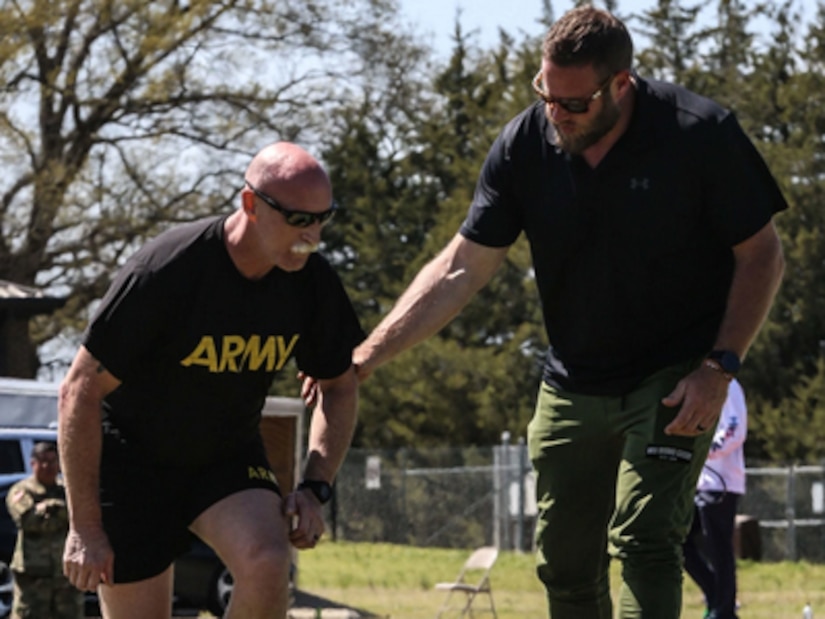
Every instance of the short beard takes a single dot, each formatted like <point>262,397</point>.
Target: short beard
<point>599,127</point>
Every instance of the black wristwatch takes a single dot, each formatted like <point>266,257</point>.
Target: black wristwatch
<point>321,489</point>
<point>727,360</point>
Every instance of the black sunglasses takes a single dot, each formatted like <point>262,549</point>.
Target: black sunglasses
<point>298,219</point>
<point>574,105</point>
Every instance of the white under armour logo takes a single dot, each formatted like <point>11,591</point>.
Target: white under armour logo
<point>640,183</point>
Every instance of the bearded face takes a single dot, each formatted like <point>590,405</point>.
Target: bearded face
<point>576,133</point>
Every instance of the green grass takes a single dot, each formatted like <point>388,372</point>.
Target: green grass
<point>397,582</point>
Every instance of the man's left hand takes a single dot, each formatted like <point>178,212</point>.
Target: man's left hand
<point>702,393</point>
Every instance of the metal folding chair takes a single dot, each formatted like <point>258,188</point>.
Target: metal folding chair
<point>478,567</point>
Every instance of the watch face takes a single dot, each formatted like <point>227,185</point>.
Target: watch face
<point>324,492</point>
<point>727,359</point>
<point>321,489</point>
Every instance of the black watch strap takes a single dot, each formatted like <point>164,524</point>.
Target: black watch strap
<point>321,489</point>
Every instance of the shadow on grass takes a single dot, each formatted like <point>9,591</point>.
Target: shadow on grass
<point>305,599</point>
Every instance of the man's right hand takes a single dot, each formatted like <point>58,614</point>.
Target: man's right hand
<point>303,511</point>
<point>309,386</point>
<point>309,389</point>
<point>88,559</point>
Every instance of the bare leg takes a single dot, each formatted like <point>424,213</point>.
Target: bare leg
<point>249,533</point>
<point>145,599</point>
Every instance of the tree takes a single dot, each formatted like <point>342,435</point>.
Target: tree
<point>675,39</point>
<point>787,431</point>
<point>775,89</point>
<point>119,118</point>
<point>786,111</point>
<point>419,157</point>
<point>721,71</point>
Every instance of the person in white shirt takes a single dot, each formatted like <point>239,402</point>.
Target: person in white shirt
<point>708,550</point>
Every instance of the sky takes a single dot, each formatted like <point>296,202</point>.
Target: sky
<point>435,19</point>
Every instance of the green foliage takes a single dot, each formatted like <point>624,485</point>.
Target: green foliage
<point>788,430</point>
<point>783,108</point>
<point>415,178</point>
<point>404,199</point>
<point>674,37</point>
<point>442,390</point>
<point>118,119</point>
<point>775,88</point>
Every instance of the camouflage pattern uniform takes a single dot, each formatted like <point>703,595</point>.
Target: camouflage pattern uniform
<point>40,589</point>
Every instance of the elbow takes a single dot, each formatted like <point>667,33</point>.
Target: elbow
<point>767,256</point>
<point>76,400</point>
<point>779,265</point>
<point>64,396</point>
<point>778,256</point>
<point>774,269</point>
<point>343,388</point>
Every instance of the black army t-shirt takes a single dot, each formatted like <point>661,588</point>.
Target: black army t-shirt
<point>196,344</point>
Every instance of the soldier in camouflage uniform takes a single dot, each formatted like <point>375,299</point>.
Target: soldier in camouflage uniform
<point>38,506</point>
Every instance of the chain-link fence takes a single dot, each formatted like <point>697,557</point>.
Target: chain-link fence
<point>437,497</point>
<point>468,497</point>
<point>789,505</point>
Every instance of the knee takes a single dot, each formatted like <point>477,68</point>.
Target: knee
<point>564,592</point>
<point>589,581</point>
<point>264,567</point>
<point>660,563</point>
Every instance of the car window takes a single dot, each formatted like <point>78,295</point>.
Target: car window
<point>11,460</point>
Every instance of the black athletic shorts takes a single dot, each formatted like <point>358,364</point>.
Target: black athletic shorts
<point>147,509</point>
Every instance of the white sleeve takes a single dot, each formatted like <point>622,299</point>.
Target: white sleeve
<point>732,428</point>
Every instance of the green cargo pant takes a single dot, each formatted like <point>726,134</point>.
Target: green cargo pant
<point>610,483</point>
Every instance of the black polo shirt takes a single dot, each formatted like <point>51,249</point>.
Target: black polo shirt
<point>633,259</point>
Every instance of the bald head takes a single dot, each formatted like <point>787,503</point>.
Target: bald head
<point>287,171</point>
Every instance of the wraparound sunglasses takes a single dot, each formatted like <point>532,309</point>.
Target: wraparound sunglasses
<point>298,219</point>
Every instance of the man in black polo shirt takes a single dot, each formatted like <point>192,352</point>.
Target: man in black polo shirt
<point>648,213</point>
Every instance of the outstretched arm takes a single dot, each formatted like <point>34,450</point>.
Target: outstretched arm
<point>437,294</point>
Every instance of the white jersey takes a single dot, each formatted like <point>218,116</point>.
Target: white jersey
<point>725,467</point>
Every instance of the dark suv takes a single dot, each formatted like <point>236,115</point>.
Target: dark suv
<point>201,579</point>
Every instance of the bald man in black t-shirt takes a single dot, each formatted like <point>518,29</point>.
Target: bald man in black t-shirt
<point>160,410</point>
